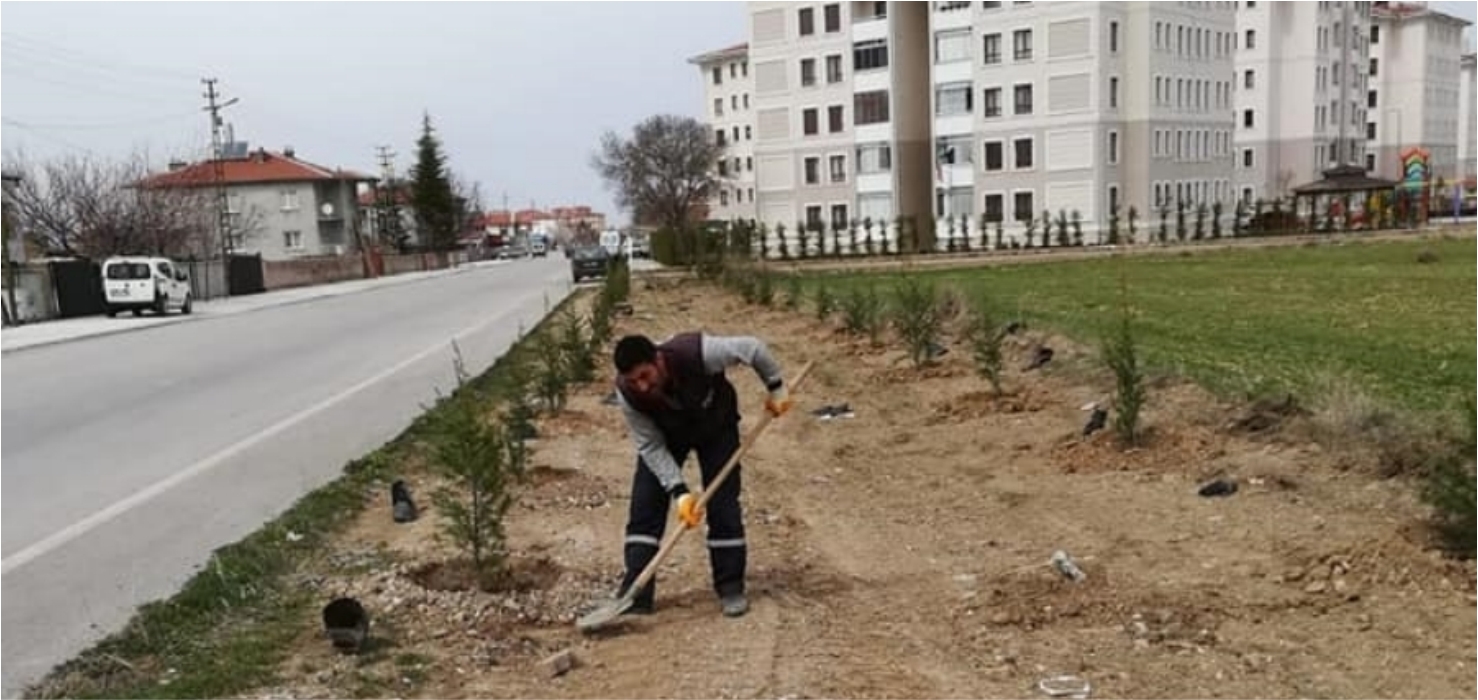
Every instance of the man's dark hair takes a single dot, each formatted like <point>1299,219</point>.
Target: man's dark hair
<point>632,351</point>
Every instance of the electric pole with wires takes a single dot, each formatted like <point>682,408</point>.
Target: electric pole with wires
<point>218,165</point>
<point>389,200</point>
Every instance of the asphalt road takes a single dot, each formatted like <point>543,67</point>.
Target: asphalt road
<point>128,458</point>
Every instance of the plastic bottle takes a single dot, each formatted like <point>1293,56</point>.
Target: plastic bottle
<point>1067,567</point>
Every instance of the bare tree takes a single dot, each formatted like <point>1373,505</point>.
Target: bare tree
<point>664,173</point>
<point>85,206</point>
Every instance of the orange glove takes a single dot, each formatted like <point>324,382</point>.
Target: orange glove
<point>779,402</point>
<point>688,512</point>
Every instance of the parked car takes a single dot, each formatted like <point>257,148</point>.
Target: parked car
<point>641,247</point>
<point>590,261</point>
<point>513,251</point>
<point>139,283</point>
<point>539,250</point>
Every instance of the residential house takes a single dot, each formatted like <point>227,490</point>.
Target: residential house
<point>280,206</point>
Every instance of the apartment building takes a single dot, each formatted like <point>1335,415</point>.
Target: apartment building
<point>1467,149</point>
<point>728,110</point>
<point>1301,80</point>
<point>1415,88</point>
<point>1082,106</point>
<point>841,111</point>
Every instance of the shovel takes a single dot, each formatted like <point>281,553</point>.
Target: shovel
<point>607,612</point>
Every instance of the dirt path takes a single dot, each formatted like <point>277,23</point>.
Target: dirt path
<point>903,553</point>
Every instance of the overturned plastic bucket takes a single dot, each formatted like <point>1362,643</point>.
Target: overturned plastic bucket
<point>347,624</point>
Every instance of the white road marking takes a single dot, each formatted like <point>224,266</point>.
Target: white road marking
<point>96,520</point>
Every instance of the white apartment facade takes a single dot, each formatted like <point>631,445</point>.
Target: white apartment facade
<point>1467,137</point>
<point>840,112</point>
<point>1301,80</point>
<point>1080,107</point>
<point>729,112</point>
<point>1415,89</point>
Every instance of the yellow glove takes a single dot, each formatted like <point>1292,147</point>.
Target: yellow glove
<point>779,402</point>
<point>688,512</point>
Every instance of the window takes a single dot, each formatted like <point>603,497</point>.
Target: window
<point>832,18</point>
<point>870,55</point>
<point>1247,158</point>
<point>812,167</point>
<point>1370,131</point>
<point>1023,150</point>
<point>991,102</point>
<point>990,6</point>
<point>870,107</point>
<point>719,137</point>
<point>723,198</point>
<point>1157,90</point>
<point>289,200</point>
<point>734,102</point>
<point>952,46</point>
<point>810,126</point>
<point>995,158</point>
<point>292,240</point>
<point>1114,37</point>
<point>1021,42</point>
<point>733,70</point>
<point>749,166</point>
<point>808,72</point>
<point>737,163</point>
<point>837,166</point>
<point>1247,119</point>
<point>808,21</point>
<point>1113,198</point>
<point>1159,30</point>
<point>718,106</point>
<point>1374,67</point>
<point>1374,34</point>
<point>1113,148</point>
<point>1022,207</point>
<point>834,69</point>
<point>954,99</point>
<point>1370,99</point>
<point>748,132</point>
<point>813,217</point>
<point>1023,99</point>
<point>838,217</point>
<point>736,133</point>
<point>955,150</point>
<point>1114,92</point>
<point>874,158</point>
<point>1248,80</point>
<point>723,168</point>
<point>990,48</point>
<point>718,75</point>
<point>995,206</point>
<point>746,100</point>
<point>1370,161</point>
<point>1251,42</point>
<point>834,122</point>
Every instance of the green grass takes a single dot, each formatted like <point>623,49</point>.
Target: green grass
<point>230,627</point>
<point>1259,321</point>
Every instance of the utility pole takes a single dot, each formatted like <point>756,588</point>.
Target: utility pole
<point>218,163</point>
<point>389,203</point>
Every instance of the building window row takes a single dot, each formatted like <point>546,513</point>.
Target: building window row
<point>1192,94</point>
<point>1193,42</point>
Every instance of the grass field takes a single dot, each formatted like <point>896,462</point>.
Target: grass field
<point>1252,322</point>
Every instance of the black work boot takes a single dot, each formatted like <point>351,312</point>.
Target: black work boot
<point>402,508</point>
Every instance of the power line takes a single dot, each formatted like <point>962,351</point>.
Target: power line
<point>40,46</point>
<point>218,162</point>
<point>46,137</point>
<point>13,69</point>
<point>142,121</point>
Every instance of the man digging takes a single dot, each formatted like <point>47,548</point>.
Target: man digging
<point>676,400</point>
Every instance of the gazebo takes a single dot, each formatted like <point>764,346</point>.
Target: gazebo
<point>1339,184</point>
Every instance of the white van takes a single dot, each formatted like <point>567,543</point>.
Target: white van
<point>613,242</point>
<point>138,283</point>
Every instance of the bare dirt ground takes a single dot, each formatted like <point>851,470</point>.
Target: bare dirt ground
<point>904,552</point>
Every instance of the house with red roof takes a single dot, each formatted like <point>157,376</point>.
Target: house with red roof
<point>280,205</point>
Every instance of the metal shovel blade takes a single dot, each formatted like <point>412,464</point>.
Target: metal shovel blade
<point>604,614</point>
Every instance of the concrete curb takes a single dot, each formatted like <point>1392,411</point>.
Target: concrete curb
<point>390,281</point>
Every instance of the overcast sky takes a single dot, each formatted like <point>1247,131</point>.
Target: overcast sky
<point>520,92</point>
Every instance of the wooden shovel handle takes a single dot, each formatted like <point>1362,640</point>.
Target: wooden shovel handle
<point>677,533</point>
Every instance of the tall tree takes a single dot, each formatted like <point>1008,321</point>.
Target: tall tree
<point>664,172</point>
<point>432,198</point>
